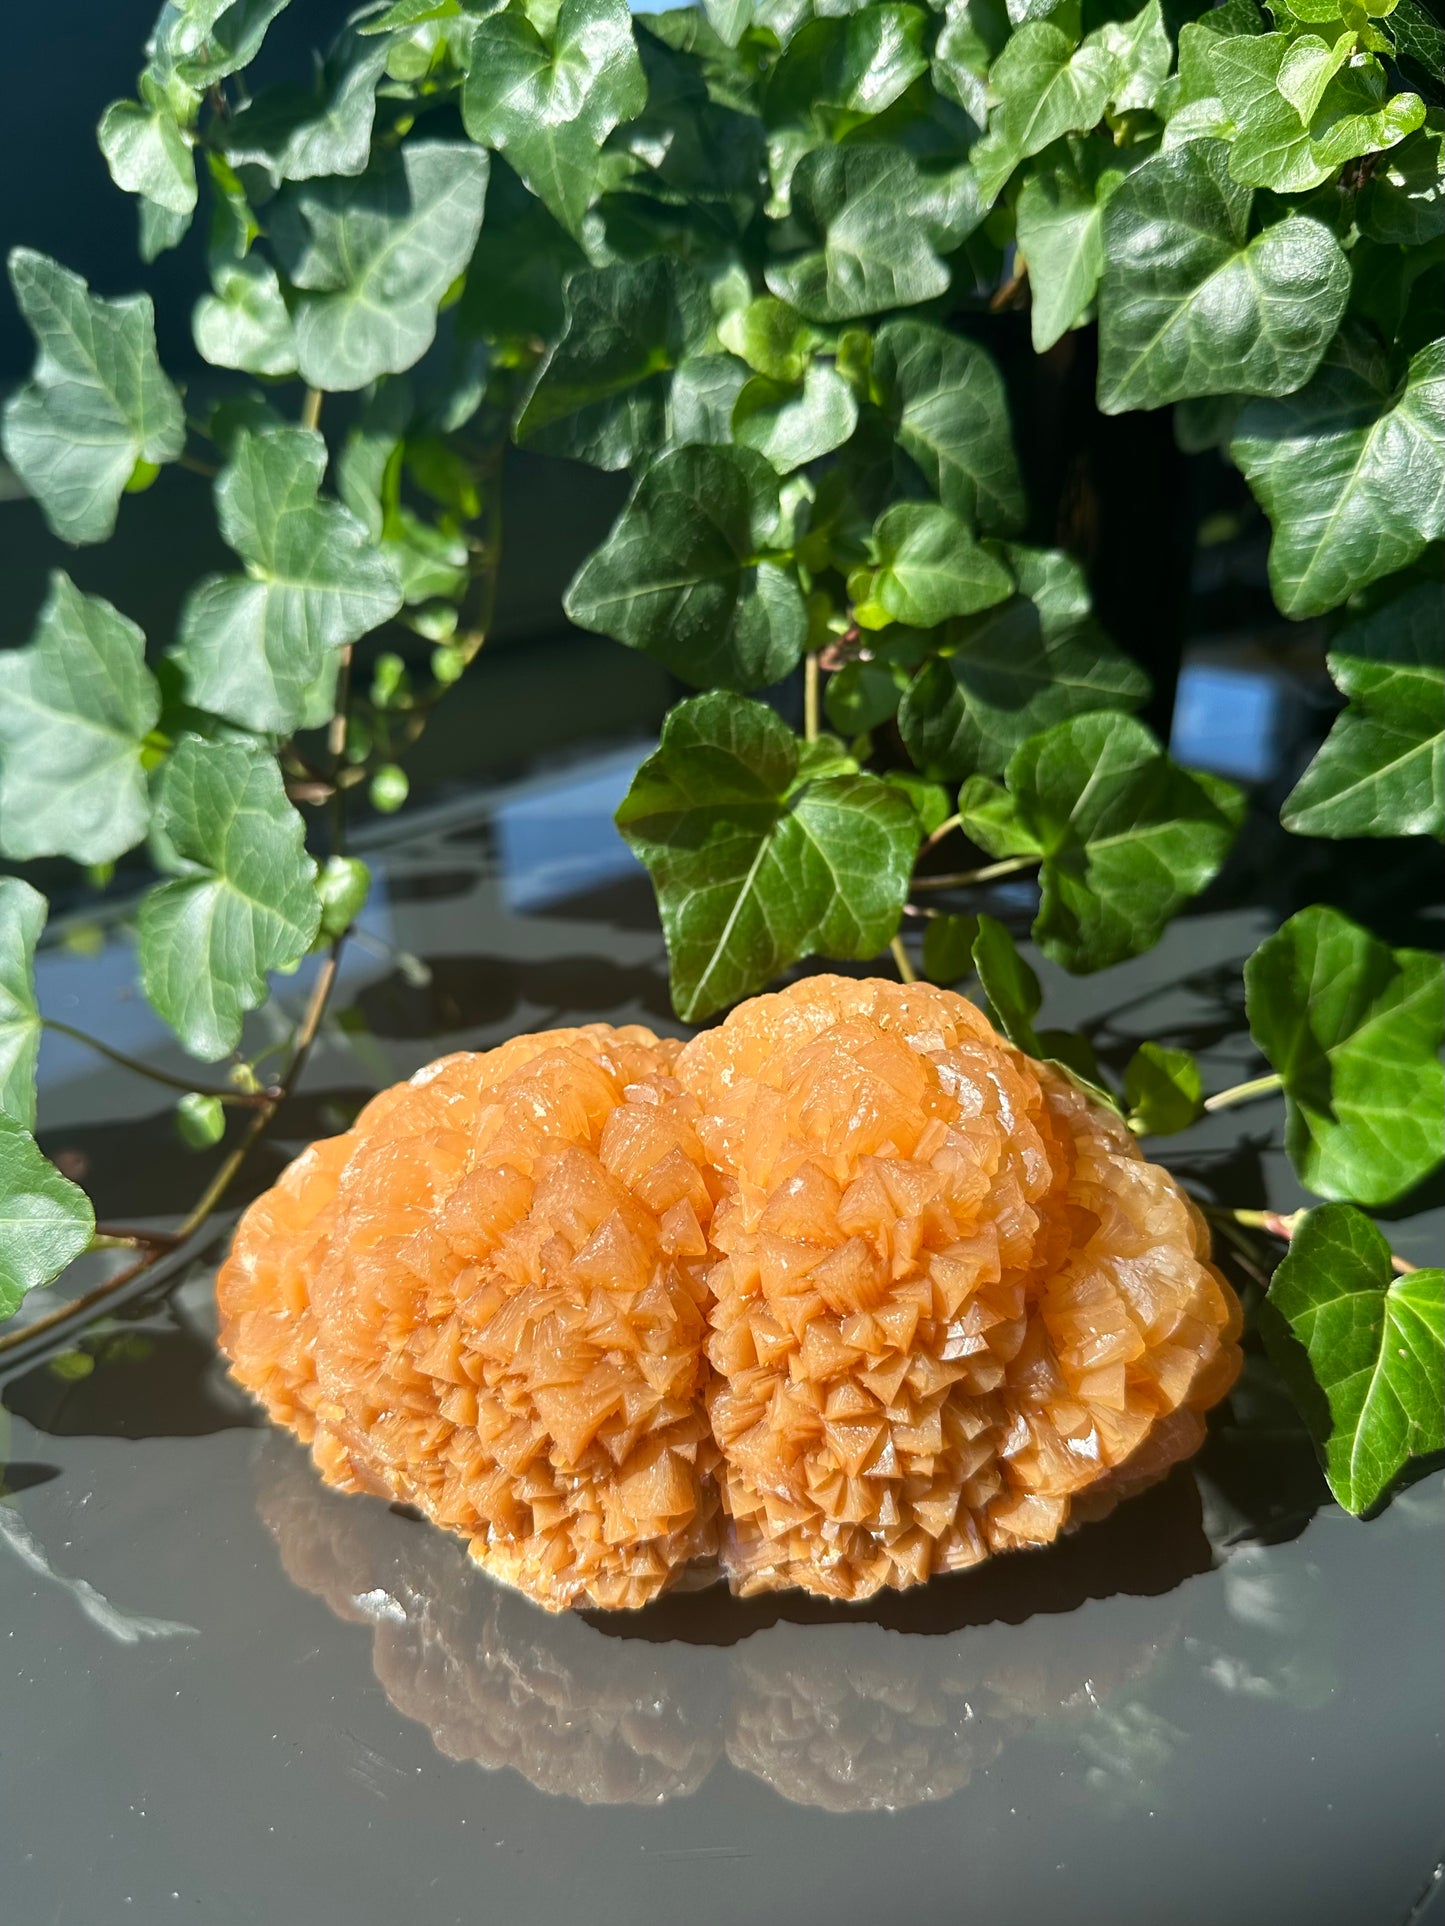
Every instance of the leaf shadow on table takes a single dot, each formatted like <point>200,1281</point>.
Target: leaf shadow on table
<point>452,995</point>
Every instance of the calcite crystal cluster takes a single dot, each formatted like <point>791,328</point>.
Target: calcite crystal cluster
<point>842,1294</point>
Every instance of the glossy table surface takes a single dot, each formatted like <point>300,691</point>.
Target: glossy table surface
<point>227,1694</point>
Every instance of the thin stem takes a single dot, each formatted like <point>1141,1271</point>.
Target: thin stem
<point>900,957</point>
<point>311,409</point>
<point>197,466</point>
<point>1284,1225</point>
<point>1244,1092</point>
<point>160,1244</point>
<point>810,698</point>
<point>943,829</point>
<point>243,1098</point>
<point>961,878</point>
<point>336,732</point>
<point>116,1234</point>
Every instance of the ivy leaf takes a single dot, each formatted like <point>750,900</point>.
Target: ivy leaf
<point>792,424</point>
<point>756,865</point>
<point>1381,771</point>
<point>22,918</point>
<point>1191,304</point>
<point>1300,111</point>
<point>1009,984</point>
<point>729,19</point>
<point>1351,473</point>
<point>147,151</point>
<point>861,696</point>
<point>523,260</point>
<point>298,133</point>
<point>1402,204</point>
<point>253,647</point>
<point>945,399</point>
<point>1353,1028</point>
<point>45,1220</point>
<point>602,393</point>
<point>1015,669</point>
<point>1142,55</point>
<point>929,800</point>
<point>771,337</point>
<point>1127,836</point>
<point>1163,1089</point>
<point>244,323</point>
<point>371,258</point>
<point>202,41</point>
<point>245,900</point>
<point>855,65</point>
<point>930,567</point>
<point>875,231</point>
<point>1059,216</point>
<point>76,706</point>
<point>684,575</point>
<point>97,404</point>
<point>948,948</point>
<point>1375,1345</point>
<point>548,104</point>
<point>1042,86</point>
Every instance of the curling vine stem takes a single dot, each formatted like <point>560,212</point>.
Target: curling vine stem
<point>245,1099</point>
<point>961,878</point>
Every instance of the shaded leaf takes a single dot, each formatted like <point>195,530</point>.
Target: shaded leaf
<point>96,405</point>
<point>1402,204</point>
<point>253,646</point>
<point>1351,473</point>
<point>861,696</point>
<point>1009,984</point>
<point>948,948</point>
<point>602,393</point>
<point>548,104</point>
<point>298,133</point>
<point>1381,771</point>
<point>1163,1089</point>
<point>75,708</point>
<point>244,901</point>
<point>1375,1345</point>
<point>1192,304</point>
<point>372,257</point>
<point>1353,1028</point>
<point>683,576</point>
<point>22,918</point>
<point>946,402</point>
<point>755,867</point>
<point>45,1220</point>
<point>202,41</point>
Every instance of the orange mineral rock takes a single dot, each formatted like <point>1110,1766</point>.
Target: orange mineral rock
<point>846,1291</point>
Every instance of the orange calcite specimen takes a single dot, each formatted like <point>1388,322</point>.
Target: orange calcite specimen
<point>842,1294</point>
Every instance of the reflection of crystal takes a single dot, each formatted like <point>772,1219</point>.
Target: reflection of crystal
<point>848,1716</point>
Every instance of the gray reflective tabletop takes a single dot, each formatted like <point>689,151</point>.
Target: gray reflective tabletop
<point>227,1694</point>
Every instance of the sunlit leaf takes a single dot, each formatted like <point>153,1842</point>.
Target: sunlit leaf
<point>75,708</point>
<point>147,152</point>
<point>1163,1089</point>
<point>684,576</point>
<point>22,918</point>
<point>946,401</point>
<point>1059,214</point>
<point>96,404</point>
<point>297,133</point>
<point>1040,87</point>
<point>244,900</point>
<point>1302,107</point>
<point>929,567</point>
<point>795,423</point>
<point>1353,1027</point>
<point>253,646</point>
<point>1375,1347</point>
<point>45,1220</point>
<point>754,867</point>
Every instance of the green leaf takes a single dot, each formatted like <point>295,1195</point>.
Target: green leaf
<point>1190,304</point>
<point>771,337</point>
<point>602,394</point>
<point>298,133</point>
<point>1059,216</point>
<point>855,65</point>
<point>96,404</point>
<point>792,424</point>
<point>244,323</point>
<point>729,19</point>
<point>753,867</point>
<point>1142,55</point>
<point>946,401</point>
<point>948,948</point>
<point>521,263</point>
<point>22,918</point>
<point>148,154</point>
<point>861,696</point>
<point>45,1220</point>
<point>929,800</point>
<point>549,103</point>
<point>1351,473</point>
<point>1009,984</point>
<point>202,41</point>
<point>1353,1028</point>
<point>930,567</point>
<point>1375,1344</point>
<point>989,816</point>
<point>1381,771</point>
<point>684,574</point>
<point>1402,204</point>
<point>971,37</point>
<point>253,646</point>
<point>1013,670</point>
<point>1127,836</point>
<point>875,229</point>
<point>372,258</point>
<point>1163,1089</point>
<point>245,899</point>
<point>1301,112</point>
<point>1041,87</point>
<point>75,708</point>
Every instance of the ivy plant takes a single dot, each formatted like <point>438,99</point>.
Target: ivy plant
<point>749,254</point>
